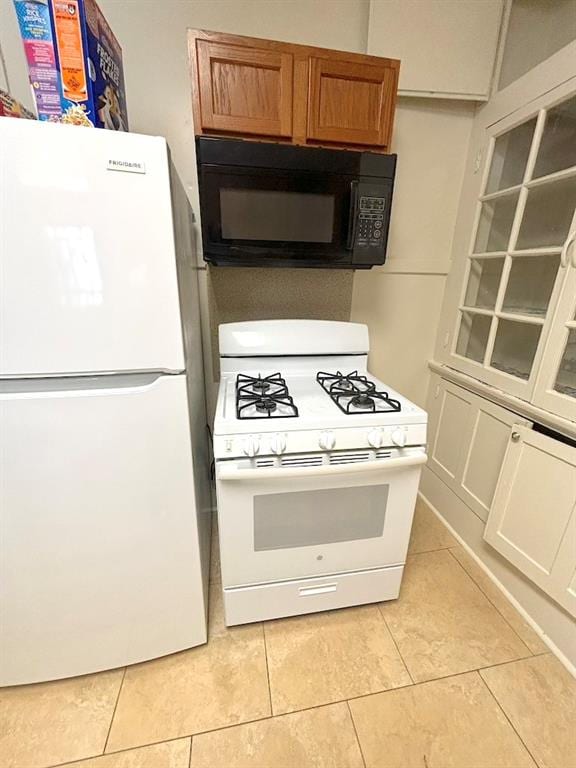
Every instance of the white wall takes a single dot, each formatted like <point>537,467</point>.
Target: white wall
<point>401,301</point>
<point>536,30</point>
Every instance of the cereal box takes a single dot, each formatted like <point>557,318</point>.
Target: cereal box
<point>87,58</point>
<point>36,31</point>
<point>10,107</point>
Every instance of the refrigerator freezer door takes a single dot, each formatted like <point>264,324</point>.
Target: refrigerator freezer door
<point>87,262</point>
<point>99,553</point>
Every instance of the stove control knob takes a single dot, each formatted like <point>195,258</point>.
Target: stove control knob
<point>399,437</point>
<point>278,444</point>
<point>375,437</point>
<point>251,445</point>
<point>327,441</point>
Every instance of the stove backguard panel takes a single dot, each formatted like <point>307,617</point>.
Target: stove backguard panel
<point>245,293</point>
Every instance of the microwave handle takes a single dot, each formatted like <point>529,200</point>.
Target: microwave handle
<point>352,215</point>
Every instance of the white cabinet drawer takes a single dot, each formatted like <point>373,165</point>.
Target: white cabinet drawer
<point>291,598</point>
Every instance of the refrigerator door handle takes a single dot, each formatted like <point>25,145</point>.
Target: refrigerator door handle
<point>105,382</point>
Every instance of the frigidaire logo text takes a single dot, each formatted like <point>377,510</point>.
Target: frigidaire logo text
<point>130,166</point>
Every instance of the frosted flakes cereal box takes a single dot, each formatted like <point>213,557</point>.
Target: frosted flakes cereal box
<point>79,44</point>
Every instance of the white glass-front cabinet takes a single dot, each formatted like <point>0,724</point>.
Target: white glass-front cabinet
<point>516,312</point>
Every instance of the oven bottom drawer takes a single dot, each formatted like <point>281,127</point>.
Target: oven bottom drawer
<point>291,598</point>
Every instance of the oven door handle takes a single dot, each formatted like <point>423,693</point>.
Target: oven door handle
<point>224,472</point>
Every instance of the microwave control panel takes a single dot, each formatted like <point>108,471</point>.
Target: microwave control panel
<point>369,228</point>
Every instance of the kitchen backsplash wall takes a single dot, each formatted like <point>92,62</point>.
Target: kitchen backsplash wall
<point>237,293</point>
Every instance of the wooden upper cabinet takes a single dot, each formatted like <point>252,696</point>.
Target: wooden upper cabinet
<point>263,89</point>
<point>245,90</point>
<point>350,102</point>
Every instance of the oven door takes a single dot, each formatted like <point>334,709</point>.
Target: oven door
<point>314,515</point>
<point>275,217</point>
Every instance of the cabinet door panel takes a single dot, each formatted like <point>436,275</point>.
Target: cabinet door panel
<point>451,433</point>
<point>532,522</point>
<point>556,383</point>
<point>484,461</point>
<point>245,90</point>
<point>469,440</point>
<point>350,102</point>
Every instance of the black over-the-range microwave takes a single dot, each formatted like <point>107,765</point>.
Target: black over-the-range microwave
<point>273,205</point>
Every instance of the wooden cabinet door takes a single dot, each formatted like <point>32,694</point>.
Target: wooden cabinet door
<point>351,102</point>
<point>533,518</point>
<point>245,90</point>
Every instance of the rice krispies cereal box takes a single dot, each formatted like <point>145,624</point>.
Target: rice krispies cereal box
<point>10,107</point>
<point>86,56</point>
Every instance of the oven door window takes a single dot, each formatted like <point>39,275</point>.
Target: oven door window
<point>271,212</point>
<point>316,517</point>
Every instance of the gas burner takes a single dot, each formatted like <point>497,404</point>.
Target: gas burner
<point>348,384</point>
<point>261,397</point>
<point>363,401</point>
<point>265,405</point>
<point>354,393</point>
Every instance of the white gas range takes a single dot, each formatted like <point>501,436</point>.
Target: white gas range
<point>317,470</point>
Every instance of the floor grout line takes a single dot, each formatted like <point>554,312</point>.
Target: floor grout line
<point>117,752</point>
<point>190,753</point>
<point>356,733</point>
<point>381,612</point>
<point>492,603</point>
<point>114,710</point>
<point>501,708</point>
<point>267,669</point>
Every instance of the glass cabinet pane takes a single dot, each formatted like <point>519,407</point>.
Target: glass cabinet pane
<point>473,336</point>
<point>510,156</point>
<point>495,225</point>
<point>566,378</point>
<point>530,284</point>
<point>558,144</point>
<point>483,282</point>
<point>515,347</point>
<point>548,214</point>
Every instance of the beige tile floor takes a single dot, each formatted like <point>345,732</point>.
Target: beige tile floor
<point>448,676</point>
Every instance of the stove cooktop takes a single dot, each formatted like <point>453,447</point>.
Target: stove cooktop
<point>268,397</point>
<point>354,393</point>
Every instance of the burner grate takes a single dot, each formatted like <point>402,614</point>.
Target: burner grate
<point>354,393</point>
<point>265,397</point>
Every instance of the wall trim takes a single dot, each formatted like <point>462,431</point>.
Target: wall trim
<point>414,266</point>
<point>511,599</point>
<point>455,96</point>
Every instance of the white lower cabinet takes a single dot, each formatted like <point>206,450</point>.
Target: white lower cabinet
<point>532,522</point>
<point>469,440</point>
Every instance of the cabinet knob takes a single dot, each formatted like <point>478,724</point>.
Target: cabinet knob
<point>515,437</point>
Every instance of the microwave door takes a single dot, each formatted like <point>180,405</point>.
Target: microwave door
<point>291,218</point>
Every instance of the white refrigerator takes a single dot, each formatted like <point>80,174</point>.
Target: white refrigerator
<point>104,459</point>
